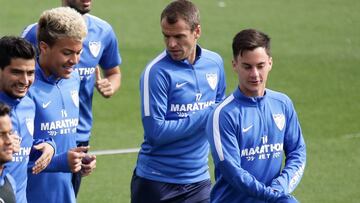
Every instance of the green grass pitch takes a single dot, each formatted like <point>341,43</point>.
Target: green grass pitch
<point>316,54</point>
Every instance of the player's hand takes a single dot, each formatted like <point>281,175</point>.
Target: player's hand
<point>75,157</point>
<point>15,141</point>
<point>88,165</point>
<point>103,85</point>
<point>43,161</point>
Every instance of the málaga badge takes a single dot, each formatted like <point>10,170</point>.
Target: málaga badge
<point>75,97</point>
<point>212,80</point>
<point>30,125</point>
<point>95,48</point>
<point>279,120</point>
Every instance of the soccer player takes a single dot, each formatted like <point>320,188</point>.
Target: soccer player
<point>17,68</point>
<point>251,131</point>
<point>177,89</point>
<point>7,183</point>
<point>60,35</point>
<point>100,47</point>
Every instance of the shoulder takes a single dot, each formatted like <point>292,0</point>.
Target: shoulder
<point>211,56</point>
<point>159,62</point>
<point>27,101</point>
<point>279,97</point>
<point>30,29</point>
<point>226,107</point>
<point>94,21</point>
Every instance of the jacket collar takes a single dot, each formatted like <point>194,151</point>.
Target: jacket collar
<point>9,100</point>
<point>39,73</point>
<point>249,100</point>
<point>198,54</point>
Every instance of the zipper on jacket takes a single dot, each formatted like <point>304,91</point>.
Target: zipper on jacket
<point>198,93</point>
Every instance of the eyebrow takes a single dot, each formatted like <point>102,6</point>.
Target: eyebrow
<point>255,64</point>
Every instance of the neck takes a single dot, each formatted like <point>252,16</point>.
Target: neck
<point>43,66</point>
<point>192,56</point>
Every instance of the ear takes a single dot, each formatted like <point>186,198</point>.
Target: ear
<point>43,47</point>
<point>234,65</point>
<point>270,63</point>
<point>197,32</point>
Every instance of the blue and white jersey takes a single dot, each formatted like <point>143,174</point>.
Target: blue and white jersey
<point>100,47</point>
<point>249,137</point>
<point>175,96</point>
<point>22,118</point>
<point>56,116</point>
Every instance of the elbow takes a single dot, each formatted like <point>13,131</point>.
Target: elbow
<point>151,130</point>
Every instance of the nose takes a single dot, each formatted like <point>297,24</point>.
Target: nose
<point>24,79</point>
<point>171,42</point>
<point>254,72</point>
<point>7,139</point>
<point>74,58</point>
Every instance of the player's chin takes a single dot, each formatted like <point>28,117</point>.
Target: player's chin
<point>66,76</point>
<point>66,73</point>
<point>177,57</point>
<point>19,94</point>
<point>7,155</point>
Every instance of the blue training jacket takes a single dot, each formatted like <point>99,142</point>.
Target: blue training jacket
<point>249,137</point>
<point>57,116</point>
<point>175,96</point>
<point>100,47</point>
<point>22,119</point>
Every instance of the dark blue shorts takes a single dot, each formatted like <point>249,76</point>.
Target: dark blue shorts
<point>149,191</point>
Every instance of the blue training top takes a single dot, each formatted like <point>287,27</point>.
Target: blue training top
<point>249,137</point>
<point>100,47</point>
<point>22,118</point>
<point>175,96</point>
<point>57,116</point>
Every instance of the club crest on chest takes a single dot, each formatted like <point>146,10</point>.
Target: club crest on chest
<point>95,48</point>
<point>212,79</point>
<point>279,120</point>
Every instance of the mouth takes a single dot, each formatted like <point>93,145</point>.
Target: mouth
<point>175,52</point>
<point>8,150</point>
<point>69,67</point>
<point>86,3</point>
<point>68,70</point>
<point>21,88</point>
<point>255,82</point>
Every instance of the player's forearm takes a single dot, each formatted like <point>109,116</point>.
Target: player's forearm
<point>160,132</point>
<point>243,181</point>
<point>292,172</point>
<point>114,77</point>
<point>58,163</point>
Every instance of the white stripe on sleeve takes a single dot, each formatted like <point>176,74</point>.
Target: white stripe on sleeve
<point>216,131</point>
<point>146,91</point>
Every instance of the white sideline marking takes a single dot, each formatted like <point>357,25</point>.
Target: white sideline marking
<point>115,151</point>
<point>353,135</point>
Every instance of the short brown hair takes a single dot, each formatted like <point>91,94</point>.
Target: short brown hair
<point>12,47</point>
<point>183,9</point>
<point>248,40</point>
